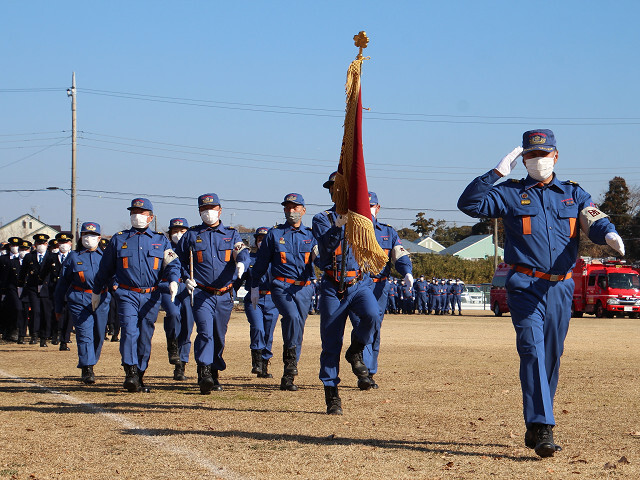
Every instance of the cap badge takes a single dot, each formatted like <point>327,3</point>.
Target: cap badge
<point>538,140</point>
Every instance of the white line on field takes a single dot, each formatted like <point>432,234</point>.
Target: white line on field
<point>141,432</point>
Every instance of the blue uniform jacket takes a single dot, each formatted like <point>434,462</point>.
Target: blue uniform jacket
<point>390,242</point>
<point>456,289</point>
<point>137,259</point>
<point>264,284</point>
<point>541,223</point>
<point>78,270</point>
<point>290,252</point>
<point>214,251</point>
<point>420,286</point>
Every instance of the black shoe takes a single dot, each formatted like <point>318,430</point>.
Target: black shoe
<point>353,355</point>
<point>287,384</point>
<point>216,384</point>
<point>333,401</point>
<point>264,372</point>
<point>43,342</point>
<point>205,379</point>
<point>540,438</point>
<point>33,341</point>
<point>55,339</point>
<point>172,350</point>
<point>87,375</point>
<point>143,387</point>
<point>178,372</point>
<point>131,379</point>
<point>63,347</point>
<point>20,341</point>
<point>374,385</point>
<point>115,338</point>
<point>256,361</point>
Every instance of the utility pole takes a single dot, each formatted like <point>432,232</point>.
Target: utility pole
<point>495,244</point>
<point>71,92</point>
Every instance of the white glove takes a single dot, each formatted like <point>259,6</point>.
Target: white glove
<point>191,285</point>
<point>341,220</point>
<point>255,296</point>
<point>39,288</point>
<point>19,292</point>
<point>615,241</point>
<point>509,162</point>
<point>95,301</point>
<point>408,280</point>
<point>239,270</point>
<point>173,290</point>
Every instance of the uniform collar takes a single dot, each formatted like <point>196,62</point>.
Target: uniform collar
<point>84,250</point>
<point>286,227</point>
<point>376,224</point>
<point>553,184</point>
<point>146,231</point>
<point>220,228</point>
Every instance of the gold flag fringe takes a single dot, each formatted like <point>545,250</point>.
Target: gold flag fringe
<point>366,249</point>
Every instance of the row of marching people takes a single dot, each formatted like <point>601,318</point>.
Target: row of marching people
<point>438,296</point>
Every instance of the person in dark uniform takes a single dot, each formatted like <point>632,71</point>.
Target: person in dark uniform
<point>456,294</point>
<point>9,269</point>
<point>139,258</point>
<point>29,280</point>
<point>420,288</point>
<point>542,216</point>
<point>113,321</point>
<point>27,320</point>
<point>335,306</point>
<point>75,285</point>
<point>219,257</point>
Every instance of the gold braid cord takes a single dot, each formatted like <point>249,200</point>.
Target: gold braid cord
<point>359,229</point>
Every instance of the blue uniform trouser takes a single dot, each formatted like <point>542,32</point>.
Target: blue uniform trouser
<point>360,300</point>
<point>421,301</point>
<point>292,302</point>
<point>90,327</point>
<point>372,350</point>
<point>262,322</point>
<point>138,313</point>
<point>211,313</point>
<point>540,312</point>
<point>440,303</point>
<point>392,302</point>
<point>447,302</point>
<point>178,320</point>
<point>455,300</point>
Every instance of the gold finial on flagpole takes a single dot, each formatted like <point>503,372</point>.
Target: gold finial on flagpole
<point>361,40</point>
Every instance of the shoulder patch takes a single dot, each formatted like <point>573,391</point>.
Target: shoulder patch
<point>229,228</point>
<point>515,180</point>
<point>119,233</point>
<point>570,182</point>
<point>384,224</point>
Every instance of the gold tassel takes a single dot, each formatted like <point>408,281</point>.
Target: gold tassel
<point>363,242</point>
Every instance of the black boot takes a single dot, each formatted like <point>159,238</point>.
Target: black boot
<point>143,387</point>
<point>205,379</point>
<point>87,375</point>
<point>63,347</point>
<point>172,350</point>
<point>286,383</point>
<point>178,372</point>
<point>55,337</point>
<point>373,383</point>
<point>131,380</point>
<point>256,361</point>
<point>43,342</point>
<point>263,373</point>
<point>20,340</point>
<point>216,384</point>
<point>334,404</point>
<point>353,355</point>
<point>541,437</point>
<point>114,338</point>
<point>289,360</point>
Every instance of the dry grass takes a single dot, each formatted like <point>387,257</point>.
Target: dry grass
<point>449,406</point>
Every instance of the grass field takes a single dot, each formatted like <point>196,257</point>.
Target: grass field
<point>449,406</point>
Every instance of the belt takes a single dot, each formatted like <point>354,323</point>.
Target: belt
<point>139,290</point>
<point>545,276</point>
<point>300,283</point>
<point>215,291</point>
<point>355,274</point>
<point>380,279</point>
<point>80,289</point>
<point>264,292</point>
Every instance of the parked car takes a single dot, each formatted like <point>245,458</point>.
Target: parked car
<point>472,294</point>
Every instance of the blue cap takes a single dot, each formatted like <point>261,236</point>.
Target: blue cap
<point>538,140</point>
<point>293,198</point>
<point>331,180</point>
<point>143,203</point>
<point>261,231</point>
<point>373,198</point>
<point>208,199</point>
<point>90,227</point>
<point>178,222</point>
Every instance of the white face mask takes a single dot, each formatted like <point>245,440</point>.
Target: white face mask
<point>210,217</point>
<point>175,237</point>
<point>90,241</point>
<point>373,212</point>
<point>139,221</point>
<point>41,249</point>
<point>13,250</point>
<point>65,248</point>
<point>540,168</point>
<point>22,253</point>
<point>55,250</point>
<point>258,244</point>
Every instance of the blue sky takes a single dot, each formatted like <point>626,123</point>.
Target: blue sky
<point>246,99</point>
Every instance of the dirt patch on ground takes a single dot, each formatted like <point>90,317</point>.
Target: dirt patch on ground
<point>448,406</point>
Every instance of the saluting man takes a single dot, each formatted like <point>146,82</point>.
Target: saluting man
<point>139,258</point>
<point>219,257</point>
<point>287,253</point>
<point>541,216</point>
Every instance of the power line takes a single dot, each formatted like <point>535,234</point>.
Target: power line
<point>34,153</point>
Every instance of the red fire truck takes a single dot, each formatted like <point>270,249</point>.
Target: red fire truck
<point>498,294</point>
<point>605,288</point>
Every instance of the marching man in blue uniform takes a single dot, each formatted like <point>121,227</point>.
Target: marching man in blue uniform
<point>139,258</point>
<point>456,294</point>
<point>335,306</point>
<point>262,319</point>
<point>420,287</point>
<point>541,216</point>
<point>219,256</point>
<point>178,320</point>
<point>287,253</point>
<point>390,242</point>
<point>75,284</point>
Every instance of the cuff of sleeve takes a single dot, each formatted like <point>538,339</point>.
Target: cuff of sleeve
<point>490,177</point>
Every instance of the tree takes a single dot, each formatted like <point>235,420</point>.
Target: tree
<point>448,236</point>
<point>408,234</point>
<point>424,225</point>
<point>616,203</point>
